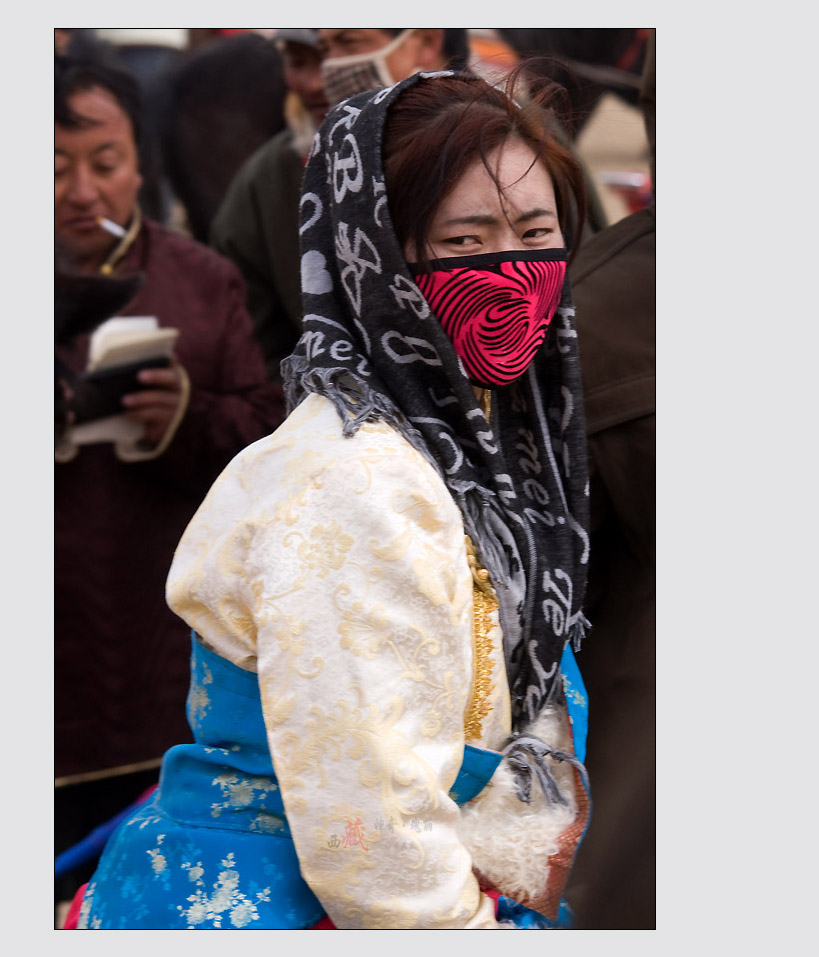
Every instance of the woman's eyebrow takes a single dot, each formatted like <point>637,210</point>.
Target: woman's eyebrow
<point>487,219</point>
<point>482,219</point>
<point>535,214</point>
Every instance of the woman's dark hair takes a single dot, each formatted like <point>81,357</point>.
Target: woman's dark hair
<point>77,75</point>
<point>437,129</point>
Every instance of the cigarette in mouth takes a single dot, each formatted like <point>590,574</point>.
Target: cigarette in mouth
<point>110,227</point>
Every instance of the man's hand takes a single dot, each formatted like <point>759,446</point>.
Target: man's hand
<point>156,406</point>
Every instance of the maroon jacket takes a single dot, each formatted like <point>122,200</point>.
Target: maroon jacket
<point>121,656</point>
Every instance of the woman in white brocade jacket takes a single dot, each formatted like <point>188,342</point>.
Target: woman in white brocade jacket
<point>384,593</point>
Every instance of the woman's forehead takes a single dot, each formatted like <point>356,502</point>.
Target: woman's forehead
<point>518,172</point>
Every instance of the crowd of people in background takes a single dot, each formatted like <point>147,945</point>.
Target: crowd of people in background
<point>199,182</point>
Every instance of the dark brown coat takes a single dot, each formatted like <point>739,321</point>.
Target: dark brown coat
<point>613,279</point>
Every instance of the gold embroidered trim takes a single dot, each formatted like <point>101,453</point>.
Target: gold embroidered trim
<point>484,602</point>
<point>485,402</point>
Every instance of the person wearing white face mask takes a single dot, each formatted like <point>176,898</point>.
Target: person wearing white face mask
<point>357,60</point>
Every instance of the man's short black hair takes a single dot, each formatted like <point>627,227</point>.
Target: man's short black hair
<point>75,75</point>
<point>456,48</point>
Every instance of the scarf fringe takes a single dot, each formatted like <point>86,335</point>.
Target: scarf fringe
<point>355,401</point>
<point>525,756</point>
<point>579,630</point>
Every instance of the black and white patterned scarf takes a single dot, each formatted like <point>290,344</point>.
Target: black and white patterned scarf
<point>372,345</point>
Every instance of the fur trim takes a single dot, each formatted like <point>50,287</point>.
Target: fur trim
<point>510,841</point>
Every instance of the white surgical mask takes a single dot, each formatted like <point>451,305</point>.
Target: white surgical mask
<point>347,75</point>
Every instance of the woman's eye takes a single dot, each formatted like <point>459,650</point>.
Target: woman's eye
<point>462,240</point>
<point>539,232</point>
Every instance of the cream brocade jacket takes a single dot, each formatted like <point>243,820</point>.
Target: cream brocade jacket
<point>338,570</point>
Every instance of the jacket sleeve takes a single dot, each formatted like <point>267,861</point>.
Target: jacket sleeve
<point>232,403</point>
<point>362,600</point>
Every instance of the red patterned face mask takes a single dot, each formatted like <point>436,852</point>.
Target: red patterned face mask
<point>495,308</point>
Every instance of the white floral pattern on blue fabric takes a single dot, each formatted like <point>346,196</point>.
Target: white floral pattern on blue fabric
<point>226,901</point>
<point>198,697</point>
